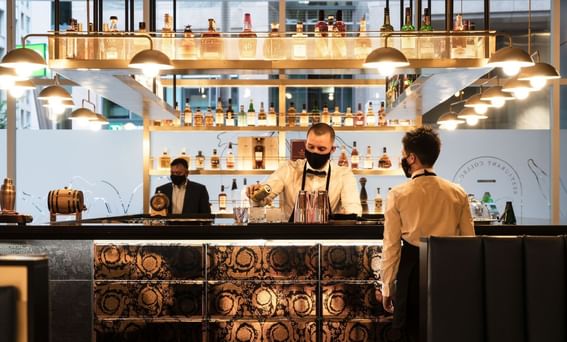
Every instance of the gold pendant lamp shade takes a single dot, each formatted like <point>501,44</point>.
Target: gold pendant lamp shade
<point>511,60</point>
<point>24,61</point>
<point>151,62</point>
<point>386,60</point>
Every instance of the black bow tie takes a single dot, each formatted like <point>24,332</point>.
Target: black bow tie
<point>316,173</point>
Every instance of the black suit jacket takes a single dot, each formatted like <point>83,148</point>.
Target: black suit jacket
<point>196,198</point>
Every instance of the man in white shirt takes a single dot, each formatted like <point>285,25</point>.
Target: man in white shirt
<point>424,206</point>
<point>315,172</point>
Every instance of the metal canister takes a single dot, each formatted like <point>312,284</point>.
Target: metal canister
<point>7,196</point>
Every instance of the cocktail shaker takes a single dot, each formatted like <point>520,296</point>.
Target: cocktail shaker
<point>7,196</point>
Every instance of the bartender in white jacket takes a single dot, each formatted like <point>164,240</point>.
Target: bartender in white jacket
<point>315,172</point>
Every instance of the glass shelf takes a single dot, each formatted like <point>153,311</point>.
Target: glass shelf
<point>360,172</point>
<point>401,128</point>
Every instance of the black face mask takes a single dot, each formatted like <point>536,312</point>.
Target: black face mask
<point>178,180</point>
<point>316,160</point>
<point>406,167</point>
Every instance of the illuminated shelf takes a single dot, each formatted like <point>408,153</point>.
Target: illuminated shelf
<point>378,172</point>
<point>275,128</point>
<point>165,172</point>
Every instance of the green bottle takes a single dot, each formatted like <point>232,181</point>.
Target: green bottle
<point>426,26</point>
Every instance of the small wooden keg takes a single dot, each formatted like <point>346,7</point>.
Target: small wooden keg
<point>65,201</point>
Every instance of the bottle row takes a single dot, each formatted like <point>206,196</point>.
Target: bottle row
<point>328,40</point>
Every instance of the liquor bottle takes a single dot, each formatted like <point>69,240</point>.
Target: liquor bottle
<point>386,26</point>
<point>363,195</point>
<point>272,117</point>
<point>349,120</point>
<point>368,163</point>
<point>211,42</point>
<point>343,159</point>
<point>234,193</point>
<point>229,115</point>
<point>370,118</point>
<point>378,203</point>
<point>242,117</point>
<point>384,162</point>
<point>336,43</point>
<point>187,113</point>
<point>382,115</point>
<point>188,45</point>
<point>299,45</point>
<point>458,44</point>
<point>251,114</point>
<point>262,118</point>
<point>219,117</point>
<point>408,41</point>
<point>337,117</point>
<point>321,25</point>
<point>247,39</point>
<point>304,117</point>
<point>362,44</point>
<point>354,157</point>
<point>181,120</point>
<point>315,114</point>
<point>274,45</point>
<point>508,217</point>
<point>164,160</point>
<point>168,36</point>
<point>359,117</point>
<point>426,48</point>
<point>186,157</point>
<point>222,199</point>
<point>199,119</point>
<point>340,24</point>
<point>291,115</point>
<point>259,154</point>
<point>230,157</point>
<point>199,161</point>
<point>215,160</point>
<point>325,116</point>
<point>209,118</point>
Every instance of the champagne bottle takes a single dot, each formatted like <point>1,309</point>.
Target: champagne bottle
<point>354,157</point>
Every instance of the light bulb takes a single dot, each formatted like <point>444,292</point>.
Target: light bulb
<point>511,70</point>
<point>58,109</point>
<point>538,83</point>
<point>480,109</point>
<point>150,70</point>
<point>386,69</point>
<point>450,125</point>
<point>331,97</point>
<point>95,126</point>
<point>498,102</point>
<point>288,96</point>
<point>472,120</point>
<point>7,82</point>
<point>17,92</point>
<point>24,70</point>
<point>521,94</point>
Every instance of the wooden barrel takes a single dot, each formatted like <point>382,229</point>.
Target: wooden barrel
<point>65,201</point>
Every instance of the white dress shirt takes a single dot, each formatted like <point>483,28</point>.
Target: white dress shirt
<point>178,198</point>
<point>424,206</point>
<point>343,194</point>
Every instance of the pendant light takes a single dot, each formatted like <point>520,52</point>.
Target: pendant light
<point>151,62</point>
<point>471,116</point>
<point>24,61</point>
<point>480,106</point>
<point>449,121</point>
<point>496,96</point>
<point>386,60</point>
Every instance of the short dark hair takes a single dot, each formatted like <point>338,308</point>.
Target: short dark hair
<point>424,142</point>
<point>322,128</point>
<point>180,161</point>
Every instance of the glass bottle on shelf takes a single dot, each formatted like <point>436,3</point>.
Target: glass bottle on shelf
<point>304,117</point>
<point>370,117</point>
<point>209,118</point>
<point>200,161</point>
<point>378,203</point>
<point>368,163</point>
<point>112,46</point>
<point>164,160</point>
<point>188,44</point>
<point>215,160</point>
<point>222,199</point>
<point>251,114</point>
<point>362,44</point>
<point>336,119</point>
<point>299,45</point>
<point>315,114</point>
<point>241,117</point>
<point>321,45</point>
<point>234,194</point>
<point>211,42</point>
<point>349,120</point>
<point>382,115</point>
<point>386,26</point>
<point>272,116</point>
<point>408,41</point>
<point>180,117</point>
<point>338,48</point>
<point>325,116</point>
<point>198,118</point>
<point>291,115</point>
<point>186,157</point>
<point>363,195</point>
<point>343,158</point>
<point>354,156</point>
<point>219,116</point>
<point>340,24</point>
<point>262,117</point>
<point>168,36</point>
<point>187,113</point>
<point>230,157</point>
<point>384,162</point>
<point>359,117</point>
<point>259,154</point>
<point>458,44</point>
<point>247,39</point>
<point>321,25</point>
<point>229,115</point>
<point>274,45</point>
<point>426,48</point>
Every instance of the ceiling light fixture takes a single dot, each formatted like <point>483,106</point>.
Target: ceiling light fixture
<point>520,89</point>
<point>496,96</point>
<point>386,60</point>
<point>20,87</point>
<point>471,116</point>
<point>510,59</point>
<point>479,106</point>
<point>151,62</point>
<point>449,121</point>
<point>23,60</point>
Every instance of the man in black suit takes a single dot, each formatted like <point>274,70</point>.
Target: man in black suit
<point>185,197</point>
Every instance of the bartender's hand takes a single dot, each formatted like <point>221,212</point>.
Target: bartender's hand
<point>251,189</point>
<point>388,304</point>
